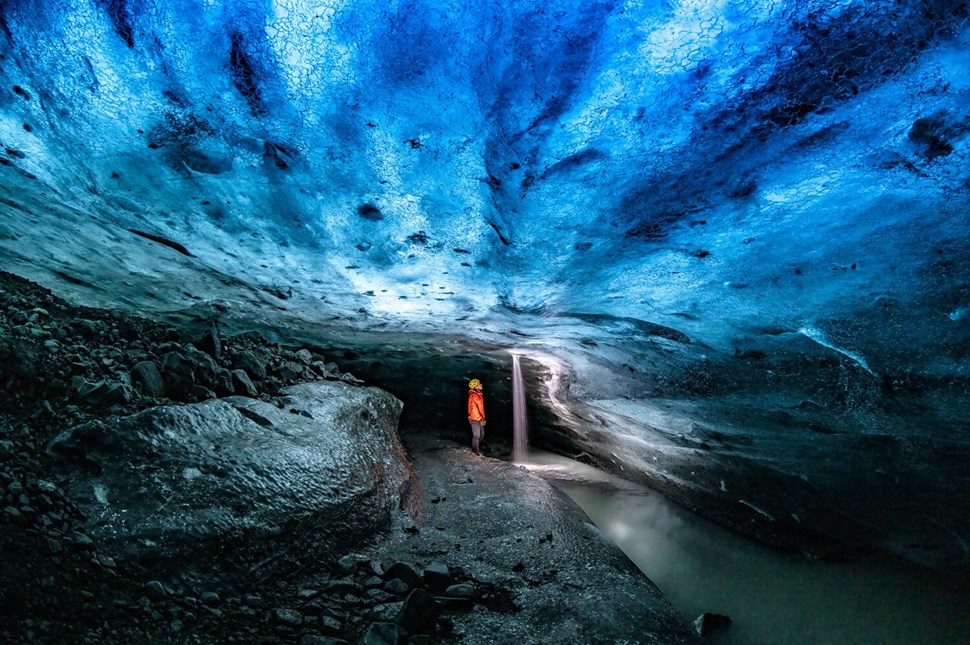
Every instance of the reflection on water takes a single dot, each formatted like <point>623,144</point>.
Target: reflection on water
<point>772,597</point>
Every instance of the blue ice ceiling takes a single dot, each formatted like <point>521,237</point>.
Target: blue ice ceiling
<point>749,216</point>
<point>718,167</point>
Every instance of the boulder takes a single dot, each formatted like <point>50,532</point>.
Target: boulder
<point>102,393</point>
<point>87,328</point>
<point>189,369</point>
<point>292,371</point>
<point>211,342</point>
<point>210,599</point>
<point>223,382</point>
<point>252,363</point>
<point>155,590</point>
<point>419,613</point>
<point>175,485</point>
<point>463,590</point>
<point>403,572</point>
<point>178,373</point>
<point>146,376</point>
<point>289,617</point>
<point>346,565</point>
<point>207,372</point>
<point>437,577</point>
<point>242,384</point>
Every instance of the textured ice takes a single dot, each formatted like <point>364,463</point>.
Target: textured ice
<point>765,202</point>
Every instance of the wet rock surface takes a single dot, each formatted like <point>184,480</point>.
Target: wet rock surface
<point>174,486</point>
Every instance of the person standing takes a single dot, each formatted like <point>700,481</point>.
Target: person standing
<point>476,413</point>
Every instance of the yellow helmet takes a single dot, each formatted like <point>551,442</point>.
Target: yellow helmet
<point>472,384</point>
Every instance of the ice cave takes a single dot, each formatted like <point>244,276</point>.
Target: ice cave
<point>254,251</point>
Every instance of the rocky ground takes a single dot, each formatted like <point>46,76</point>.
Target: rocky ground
<point>533,568</point>
<point>454,566</point>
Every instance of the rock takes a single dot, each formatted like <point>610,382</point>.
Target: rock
<point>223,382</point>
<point>155,590</point>
<point>304,356</point>
<point>228,474</point>
<point>147,377</point>
<point>211,343</point>
<point>463,590</point>
<point>288,616</point>
<point>184,372</point>
<point>207,372</point>
<point>14,516</point>
<point>210,599</point>
<point>178,375</point>
<point>419,613</point>
<point>384,634</point>
<point>242,384</point>
<point>344,586</point>
<point>292,371</point>
<point>45,486</point>
<point>379,596</point>
<point>373,583</point>
<point>708,623</point>
<point>201,393</point>
<point>376,568</point>
<point>253,601</point>
<point>87,328</point>
<point>252,363</point>
<point>437,576</point>
<point>346,565</point>
<point>330,624</point>
<point>386,612</point>
<point>102,393</point>
<point>404,573</point>
<point>397,586</point>
<point>307,594</point>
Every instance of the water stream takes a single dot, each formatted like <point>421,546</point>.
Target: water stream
<point>520,423</point>
<point>772,597</point>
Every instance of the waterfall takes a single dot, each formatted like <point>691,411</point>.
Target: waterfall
<point>520,424</point>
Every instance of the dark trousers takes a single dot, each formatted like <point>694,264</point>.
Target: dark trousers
<point>478,432</point>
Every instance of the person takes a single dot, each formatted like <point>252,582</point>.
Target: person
<point>476,413</point>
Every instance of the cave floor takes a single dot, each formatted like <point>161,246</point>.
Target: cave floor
<point>564,581</point>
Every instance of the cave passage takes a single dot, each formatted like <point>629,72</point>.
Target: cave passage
<point>726,244</point>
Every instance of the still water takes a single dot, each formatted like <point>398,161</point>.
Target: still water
<point>774,598</point>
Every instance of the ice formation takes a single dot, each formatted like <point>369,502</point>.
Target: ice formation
<point>734,218</point>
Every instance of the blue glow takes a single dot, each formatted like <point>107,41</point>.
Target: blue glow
<point>782,184</point>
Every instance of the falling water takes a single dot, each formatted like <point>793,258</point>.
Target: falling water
<point>520,425</point>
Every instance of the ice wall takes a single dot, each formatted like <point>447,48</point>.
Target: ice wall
<point>691,196</point>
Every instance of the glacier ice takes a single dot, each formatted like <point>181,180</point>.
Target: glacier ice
<point>747,218</point>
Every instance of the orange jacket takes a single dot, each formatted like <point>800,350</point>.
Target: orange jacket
<point>476,406</point>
